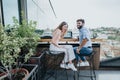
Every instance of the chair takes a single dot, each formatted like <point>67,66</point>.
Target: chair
<point>91,66</point>
<point>52,64</point>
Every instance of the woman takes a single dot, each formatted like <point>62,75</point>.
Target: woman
<point>59,33</point>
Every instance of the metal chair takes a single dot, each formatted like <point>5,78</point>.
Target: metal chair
<point>52,64</point>
<point>91,66</point>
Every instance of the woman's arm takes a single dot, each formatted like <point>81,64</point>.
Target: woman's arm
<point>63,33</point>
<point>56,37</point>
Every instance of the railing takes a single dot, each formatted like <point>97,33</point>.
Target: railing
<point>96,48</point>
<point>71,40</point>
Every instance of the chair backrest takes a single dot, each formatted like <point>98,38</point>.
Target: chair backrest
<point>53,59</point>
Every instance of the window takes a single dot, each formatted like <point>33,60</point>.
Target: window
<point>40,11</point>
<point>10,9</point>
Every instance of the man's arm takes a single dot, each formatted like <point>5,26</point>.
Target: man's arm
<point>84,41</point>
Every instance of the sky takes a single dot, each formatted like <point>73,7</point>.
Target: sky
<point>97,13</point>
<point>10,9</point>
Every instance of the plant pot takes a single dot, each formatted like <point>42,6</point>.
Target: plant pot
<point>37,59</point>
<point>31,69</point>
<point>22,72</point>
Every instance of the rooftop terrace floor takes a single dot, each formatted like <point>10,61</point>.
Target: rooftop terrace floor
<point>100,75</point>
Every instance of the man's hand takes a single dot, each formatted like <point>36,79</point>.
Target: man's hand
<point>81,45</point>
<point>78,50</point>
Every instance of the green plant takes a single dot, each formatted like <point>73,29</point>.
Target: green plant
<point>94,35</point>
<point>27,30</point>
<point>9,50</point>
<point>13,40</point>
<point>111,37</point>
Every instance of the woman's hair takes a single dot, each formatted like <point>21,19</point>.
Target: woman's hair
<point>60,26</point>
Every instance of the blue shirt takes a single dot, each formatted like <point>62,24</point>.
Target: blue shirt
<point>84,33</point>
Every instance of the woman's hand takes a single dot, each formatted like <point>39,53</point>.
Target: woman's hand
<point>61,46</point>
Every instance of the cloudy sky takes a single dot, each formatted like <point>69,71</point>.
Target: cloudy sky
<point>96,13</point>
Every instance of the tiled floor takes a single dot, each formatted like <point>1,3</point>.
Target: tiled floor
<point>100,75</point>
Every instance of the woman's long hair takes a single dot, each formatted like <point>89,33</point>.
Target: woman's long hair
<point>60,27</point>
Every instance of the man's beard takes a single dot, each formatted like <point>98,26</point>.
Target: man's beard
<point>79,27</point>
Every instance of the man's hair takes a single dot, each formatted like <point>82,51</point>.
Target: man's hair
<point>82,20</point>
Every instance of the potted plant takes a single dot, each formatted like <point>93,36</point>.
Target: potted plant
<point>9,51</point>
<point>27,31</point>
<point>12,43</point>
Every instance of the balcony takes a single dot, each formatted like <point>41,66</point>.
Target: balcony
<point>48,14</point>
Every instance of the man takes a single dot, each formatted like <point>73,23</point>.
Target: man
<point>85,46</point>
